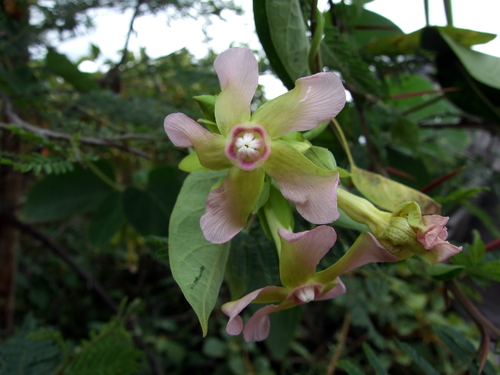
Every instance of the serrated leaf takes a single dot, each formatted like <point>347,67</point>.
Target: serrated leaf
<point>489,270</point>
<point>59,196</point>
<point>349,367</point>
<point>197,265</point>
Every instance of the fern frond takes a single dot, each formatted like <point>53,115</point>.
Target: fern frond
<point>36,162</point>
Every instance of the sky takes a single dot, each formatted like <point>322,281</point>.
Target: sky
<point>161,38</point>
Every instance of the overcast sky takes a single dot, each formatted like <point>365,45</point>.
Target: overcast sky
<point>160,39</point>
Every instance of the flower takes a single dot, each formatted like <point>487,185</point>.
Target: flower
<point>250,146</point>
<point>405,232</point>
<point>299,256</point>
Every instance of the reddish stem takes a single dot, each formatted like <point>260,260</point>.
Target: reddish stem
<point>442,179</point>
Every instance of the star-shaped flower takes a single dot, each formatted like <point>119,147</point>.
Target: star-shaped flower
<point>250,145</point>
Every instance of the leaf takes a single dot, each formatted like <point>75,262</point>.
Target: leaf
<point>288,35</point>
<point>411,43</point>
<point>58,196</point>
<point>374,361</point>
<point>485,68</point>
<point>406,133</point>
<point>264,33</point>
<point>148,211</point>
<point>21,354</point>
<point>106,220</point>
<point>445,272</point>
<point>417,359</point>
<point>110,352</point>
<point>389,194</point>
<point>197,265</point>
<point>60,65</point>
<point>489,270</point>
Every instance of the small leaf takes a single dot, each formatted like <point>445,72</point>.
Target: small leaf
<point>197,265</point>
<point>489,270</point>
<point>417,359</point>
<point>283,326</point>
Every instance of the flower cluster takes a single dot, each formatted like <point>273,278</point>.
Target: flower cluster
<point>252,146</point>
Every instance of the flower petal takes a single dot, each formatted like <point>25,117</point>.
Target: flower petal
<point>229,206</point>
<point>366,249</point>
<point>439,253</point>
<point>301,253</point>
<point>336,291</point>
<point>238,74</point>
<point>258,326</point>
<point>434,232</point>
<point>234,308</point>
<point>185,132</point>
<point>311,188</point>
<point>315,99</point>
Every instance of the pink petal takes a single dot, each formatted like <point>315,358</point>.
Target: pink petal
<point>229,206</point>
<point>234,308</point>
<point>366,249</point>
<point>440,252</point>
<point>301,253</point>
<point>258,326</point>
<point>238,74</point>
<point>435,232</point>
<point>315,99</point>
<point>336,291</point>
<point>185,132</point>
<point>311,188</point>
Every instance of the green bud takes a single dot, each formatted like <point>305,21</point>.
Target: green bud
<point>207,106</point>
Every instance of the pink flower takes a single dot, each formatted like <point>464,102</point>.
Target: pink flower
<point>299,256</point>
<point>433,238</point>
<point>250,145</point>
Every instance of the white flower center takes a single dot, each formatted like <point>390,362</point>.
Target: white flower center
<point>248,146</point>
<point>306,294</point>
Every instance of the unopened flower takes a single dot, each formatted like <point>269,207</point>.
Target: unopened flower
<point>299,256</point>
<point>250,146</point>
<point>405,232</point>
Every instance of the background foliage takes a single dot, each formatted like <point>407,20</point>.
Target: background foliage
<point>89,181</point>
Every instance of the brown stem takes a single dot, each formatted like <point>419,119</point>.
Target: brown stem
<point>442,179</point>
<point>340,345</point>
<point>490,246</point>
<point>14,119</point>
<point>471,310</point>
<point>91,283</point>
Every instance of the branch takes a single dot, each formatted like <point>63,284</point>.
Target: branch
<point>90,141</point>
<point>91,283</point>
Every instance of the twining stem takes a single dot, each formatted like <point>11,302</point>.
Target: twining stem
<point>344,330</point>
<point>317,30</point>
<point>449,12</point>
<point>102,176</point>
<point>426,7</point>
<point>338,130</point>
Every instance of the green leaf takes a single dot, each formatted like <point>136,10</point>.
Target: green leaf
<point>148,211</point>
<point>263,31</point>
<point>59,196</point>
<point>21,354</point>
<point>417,359</point>
<point>445,272</point>
<point>389,194</point>
<point>60,65</point>
<point>405,133</point>
<point>288,34</point>
<point>106,220</point>
<point>489,270</point>
<point>109,352</point>
<point>485,68</point>
<point>374,361</point>
<point>197,265</point>
<point>321,157</point>
<point>477,250</point>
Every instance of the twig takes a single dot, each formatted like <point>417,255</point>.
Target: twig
<point>340,345</point>
<point>442,179</point>
<point>91,141</point>
<point>89,280</point>
<point>130,29</point>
